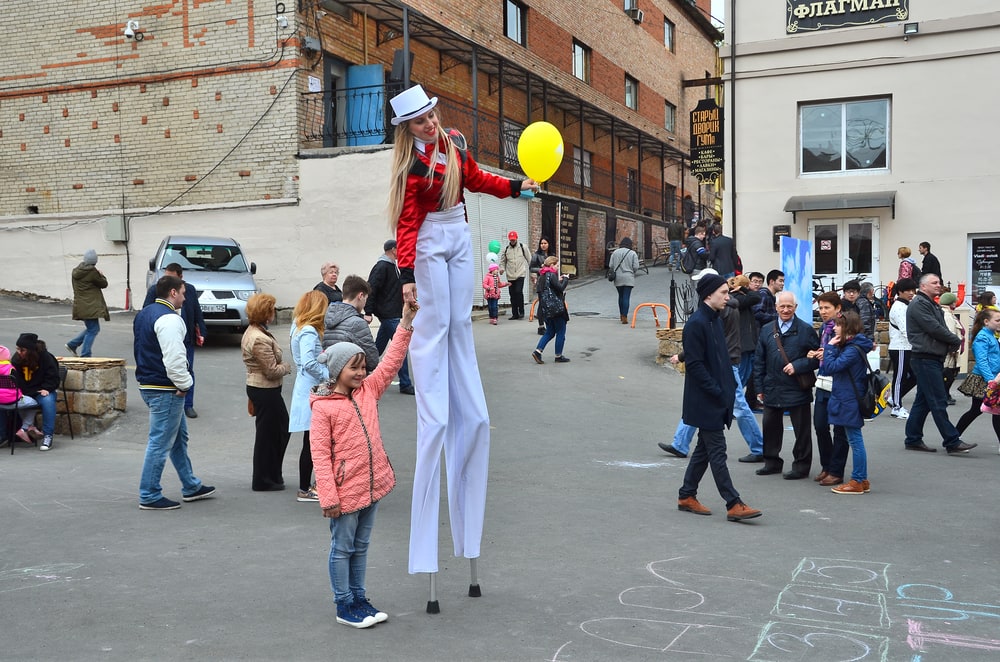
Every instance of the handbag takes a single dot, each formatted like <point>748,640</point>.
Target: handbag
<point>974,386</point>
<point>551,303</point>
<point>991,399</point>
<point>876,396</point>
<point>806,380</point>
<point>613,273</point>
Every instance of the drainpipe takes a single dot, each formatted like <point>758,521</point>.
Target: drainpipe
<point>732,114</point>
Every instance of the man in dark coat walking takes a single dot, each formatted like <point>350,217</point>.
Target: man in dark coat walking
<point>778,388</point>
<point>709,394</point>
<point>931,265</point>
<point>722,252</point>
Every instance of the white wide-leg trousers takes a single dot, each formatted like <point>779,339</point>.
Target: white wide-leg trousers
<point>451,405</point>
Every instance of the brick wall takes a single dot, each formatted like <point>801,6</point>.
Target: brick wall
<point>93,117</point>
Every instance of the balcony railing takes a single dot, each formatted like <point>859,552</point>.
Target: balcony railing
<point>360,116</point>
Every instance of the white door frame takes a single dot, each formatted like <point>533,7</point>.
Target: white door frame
<point>845,264</point>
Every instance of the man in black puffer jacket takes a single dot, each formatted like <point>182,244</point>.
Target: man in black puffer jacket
<point>930,341</point>
<point>778,387</point>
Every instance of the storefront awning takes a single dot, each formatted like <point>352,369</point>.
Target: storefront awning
<point>798,203</point>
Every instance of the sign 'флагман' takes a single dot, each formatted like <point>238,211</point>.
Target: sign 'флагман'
<point>707,153</point>
<point>805,15</point>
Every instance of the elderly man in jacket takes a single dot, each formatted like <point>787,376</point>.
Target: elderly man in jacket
<point>782,355</point>
<point>709,394</point>
<point>930,341</point>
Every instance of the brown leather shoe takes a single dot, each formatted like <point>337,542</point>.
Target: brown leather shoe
<point>624,319</point>
<point>740,511</point>
<point>853,487</point>
<point>821,476</point>
<point>866,485</point>
<point>691,505</point>
<point>831,480</point>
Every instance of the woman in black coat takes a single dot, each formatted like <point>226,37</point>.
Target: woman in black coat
<point>36,372</point>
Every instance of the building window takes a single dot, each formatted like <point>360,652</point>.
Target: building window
<point>630,4</point>
<point>669,117</point>
<point>581,61</point>
<point>668,34</point>
<point>631,92</point>
<point>581,167</point>
<point>844,136</point>
<point>337,8</point>
<point>514,23</point>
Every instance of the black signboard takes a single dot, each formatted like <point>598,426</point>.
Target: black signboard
<point>569,217</point>
<point>707,153</point>
<point>777,232</point>
<point>811,15</point>
<point>985,262</point>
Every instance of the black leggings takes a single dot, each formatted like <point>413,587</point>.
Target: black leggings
<point>305,464</point>
<point>973,414</point>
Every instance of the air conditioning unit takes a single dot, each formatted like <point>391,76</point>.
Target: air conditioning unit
<point>635,14</point>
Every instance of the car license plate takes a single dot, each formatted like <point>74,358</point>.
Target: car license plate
<point>213,307</point>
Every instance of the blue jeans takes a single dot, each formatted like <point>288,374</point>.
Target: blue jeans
<point>711,450</point>
<point>859,461</point>
<point>931,399</point>
<point>494,307</point>
<point>624,299</point>
<point>746,367</point>
<point>745,419</point>
<point>47,403</point>
<point>387,327</point>
<point>556,328</point>
<point>85,340</point>
<point>675,253</point>
<point>168,435</point>
<point>349,537</point>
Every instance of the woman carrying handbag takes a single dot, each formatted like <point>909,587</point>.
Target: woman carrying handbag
<point>986,351</point>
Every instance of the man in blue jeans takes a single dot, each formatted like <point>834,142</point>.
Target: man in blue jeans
<point>709,394</point>
<point>162,372</point>
<point>386,303</point>
<point>930,341</point>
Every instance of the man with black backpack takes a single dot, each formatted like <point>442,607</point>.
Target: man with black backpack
<point>696,256</point>
<point>514,262</point>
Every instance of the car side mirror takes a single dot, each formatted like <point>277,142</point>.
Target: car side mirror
<point>253,268</point>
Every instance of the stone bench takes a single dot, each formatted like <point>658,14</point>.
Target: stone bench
<point>96,392</point>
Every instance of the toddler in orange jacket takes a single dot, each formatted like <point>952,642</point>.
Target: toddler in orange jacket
<point>352,469</point>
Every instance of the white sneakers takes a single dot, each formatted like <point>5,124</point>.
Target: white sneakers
<point>900,413</point>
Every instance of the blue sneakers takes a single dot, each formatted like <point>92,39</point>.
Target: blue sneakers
<point>350,614</point>
<point>163,503</point>
<point>367,608</point>
<point>203,492</point>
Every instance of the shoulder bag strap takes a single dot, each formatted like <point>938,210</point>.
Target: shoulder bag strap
<point>853,385</point>
<point>777,339</point>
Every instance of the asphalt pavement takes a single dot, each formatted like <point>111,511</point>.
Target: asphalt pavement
<point>585,555</point>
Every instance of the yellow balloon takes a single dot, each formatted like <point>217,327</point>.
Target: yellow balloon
<point>540,150</point>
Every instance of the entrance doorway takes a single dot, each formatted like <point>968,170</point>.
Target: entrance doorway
<point>844,249</point>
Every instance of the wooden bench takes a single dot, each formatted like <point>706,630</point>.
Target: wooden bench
<point>661,251</point>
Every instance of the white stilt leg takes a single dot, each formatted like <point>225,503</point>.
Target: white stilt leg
<point>474,590</point>
<point>432,605</point>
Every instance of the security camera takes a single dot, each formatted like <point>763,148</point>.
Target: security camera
<point>130,29</point>
<point>282,21</point>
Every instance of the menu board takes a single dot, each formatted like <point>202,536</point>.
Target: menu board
<point>568,219</point>
<point>985,262</point>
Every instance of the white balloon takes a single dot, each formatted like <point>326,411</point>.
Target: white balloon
<point>492,258</point>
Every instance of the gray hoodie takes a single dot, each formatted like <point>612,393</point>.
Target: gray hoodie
<point>344,323</point>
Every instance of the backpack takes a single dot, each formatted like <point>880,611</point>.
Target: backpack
<point>874,400</point>
<point>689,258</point>
<point>917,273</point>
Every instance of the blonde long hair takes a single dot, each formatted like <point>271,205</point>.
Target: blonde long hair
<point>310,311</point>
<point>402,160</point>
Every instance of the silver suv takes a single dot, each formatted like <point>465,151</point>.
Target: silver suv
<point>218,268</point>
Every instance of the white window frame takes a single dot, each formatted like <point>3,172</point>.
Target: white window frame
<point>581,61</point>
<point>581,160</point>
<point>847,133</point>
<point>669,117</point>
<point>669,35</point>
<point>631,90</point>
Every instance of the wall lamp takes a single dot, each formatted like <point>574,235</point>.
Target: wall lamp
<point>911,28</point>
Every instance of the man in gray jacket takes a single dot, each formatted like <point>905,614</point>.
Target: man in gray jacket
<point>344,321</point>
<point>930,340</point>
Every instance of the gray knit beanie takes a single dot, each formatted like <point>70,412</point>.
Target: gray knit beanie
<point>337,356</point>
<point>90,256</point>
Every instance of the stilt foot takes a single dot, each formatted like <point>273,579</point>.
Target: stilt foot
<point>433,607</point>
<point>475,591</point>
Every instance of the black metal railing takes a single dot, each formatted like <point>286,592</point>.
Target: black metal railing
<point>360,116</point>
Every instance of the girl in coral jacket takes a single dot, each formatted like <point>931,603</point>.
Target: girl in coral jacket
<point>430,170</point>
<point>353,472</point>
<point>491,291</point>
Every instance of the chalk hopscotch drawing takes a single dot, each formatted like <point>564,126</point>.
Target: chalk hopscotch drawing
<point>17,579</point>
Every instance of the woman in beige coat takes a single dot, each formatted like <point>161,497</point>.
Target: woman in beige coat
<point>265,370</point>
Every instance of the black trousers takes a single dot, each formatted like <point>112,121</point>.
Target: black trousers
<point>772,426</point>
<point>833,450</point>
<point>305,463</point>
<point>271,439</point>
<point>517,297</point>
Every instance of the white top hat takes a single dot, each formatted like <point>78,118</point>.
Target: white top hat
<point>411,103</point>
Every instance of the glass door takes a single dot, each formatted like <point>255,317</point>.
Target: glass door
<point>844,249</point>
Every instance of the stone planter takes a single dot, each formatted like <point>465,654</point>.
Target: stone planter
<point>96,393</point>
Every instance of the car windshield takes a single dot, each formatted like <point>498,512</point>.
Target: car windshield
<point>199,257</point>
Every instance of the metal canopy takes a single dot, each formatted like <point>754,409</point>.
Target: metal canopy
<point>800,203</point>
<point>455,49</point>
